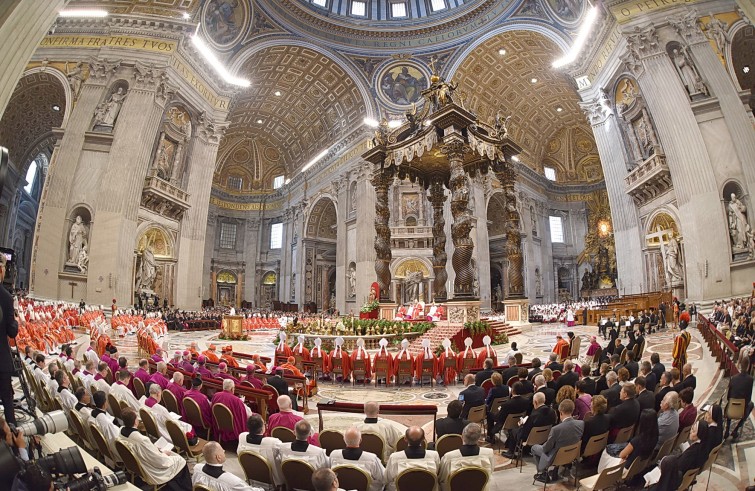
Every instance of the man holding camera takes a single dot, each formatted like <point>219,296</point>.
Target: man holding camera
<point>8,329</point>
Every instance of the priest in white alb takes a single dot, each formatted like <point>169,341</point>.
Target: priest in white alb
<point>353,455</point>
<point>162,415</point>
<point>121,391</point>
<point>414,457</point>
<point>212,475</point>
<point>469,455</point>
<point>300,449</point>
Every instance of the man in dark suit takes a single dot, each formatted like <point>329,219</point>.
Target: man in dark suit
<point>613,392</point>
<point>665,389</point>
<point>740,387</point>
<point>658,367</point>
<point>281,386</point>
<point>566,433</point>
<point>472,396</point>
<point>650,378</point>
<point>453,423</point>
<point>485,373</point>
<point>589,381</point>
<point>8,329</point>
<point>541,415</point>
<point>511,371</point>
<point>536,370</point>
<point>644,396</point>
<point>632,365</point>
<point>515,405</point>
<point>540,387</point>
<point>689,380</point>
<point>553,364</point>
<point>569,377</point>
<point>626,413</point>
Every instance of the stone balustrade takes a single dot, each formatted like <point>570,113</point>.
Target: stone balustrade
<point>649,179</point>
<point>163,197</point>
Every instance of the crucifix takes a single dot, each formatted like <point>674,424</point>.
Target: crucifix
<point>73,285</point>
<point>663,237</point>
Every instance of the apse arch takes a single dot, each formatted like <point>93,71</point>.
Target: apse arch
<point>322,219</point>
<point>736,31</point>
<point>61,77</point>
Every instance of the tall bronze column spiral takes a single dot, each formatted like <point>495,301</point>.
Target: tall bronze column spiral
<point>463,221</point>
<point>437,199</point>
<point>381,183</point>
<point>506,174</point>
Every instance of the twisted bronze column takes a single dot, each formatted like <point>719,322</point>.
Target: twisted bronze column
<point>381,182</point>
<point>437,199</point>
<point>463,221</point>
<point>506,175</point>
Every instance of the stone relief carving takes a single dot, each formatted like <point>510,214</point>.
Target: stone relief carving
<point>598,110</point>
<point>717,32</point>
<point>688,27</point>
<point>107,112</point>
<point>209,130</point>
<point>78,240</point>
<point>101,69</point>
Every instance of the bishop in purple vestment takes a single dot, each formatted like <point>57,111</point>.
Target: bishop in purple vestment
<point>159,376</point>
<point>239,410</point>
<point>202,401</point>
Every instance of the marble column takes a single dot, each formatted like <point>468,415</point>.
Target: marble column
<point>437,198</point>
<point>286,257</point>
<point>251,251</point>
<point>23,25</point>
<point>381,182</point>
<point>507,177</point>
<point>461,259</point>
<point>482,243</point>
<point>704,230</point>
<point>624,217</point>
<point>204,149</point>
<point>341,189</point>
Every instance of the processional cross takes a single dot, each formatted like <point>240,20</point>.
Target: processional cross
<point>73,285</point>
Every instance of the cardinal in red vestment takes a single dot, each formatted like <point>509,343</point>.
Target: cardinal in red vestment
<point>341,355</point>
<point>426,354</point>
<point>318,353</point>
<point>403,356</point>
<point>282,349</point>
<point>383,356</point>
<point>467,354</point>
<point>449,375</point>
<point>486,352</point>
<point>561,348</point>
<point>360,353</point>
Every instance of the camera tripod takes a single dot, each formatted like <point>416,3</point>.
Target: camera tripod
<point>18,366</point>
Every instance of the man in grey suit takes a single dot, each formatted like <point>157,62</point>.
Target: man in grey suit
<point>566,433</point>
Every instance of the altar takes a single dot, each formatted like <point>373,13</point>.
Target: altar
<point>232,326</point>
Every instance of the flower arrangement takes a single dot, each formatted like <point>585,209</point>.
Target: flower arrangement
<point>370,306</point>
<point>233,337</point>
<point>477,327</point>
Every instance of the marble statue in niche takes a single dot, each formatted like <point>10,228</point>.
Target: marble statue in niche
<point>738,225</point>
<point>75,78</point>
<point>351,277</point>
<point>411,285</point>
<point>147,270</point>
<point>166,153</point>
<point>107,113</point>
<point>78,239</point>
<point>688,72</point>
<point>673,262</point>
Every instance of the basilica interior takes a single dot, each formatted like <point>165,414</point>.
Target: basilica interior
<point>493,159</point>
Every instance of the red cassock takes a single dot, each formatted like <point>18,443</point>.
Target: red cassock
<point>361,354</point>
<point>232,402</point>
<point>562,349</point>
<point>318,353</point>
<point>383,355</point>
<point>467,354</point>
<point>343,355</point>
<point>426,354</point>
<point>282,350</point>
<point>402,356</point>
<point>300,351</point>
<point>450,374</point>
<point>486,352</point>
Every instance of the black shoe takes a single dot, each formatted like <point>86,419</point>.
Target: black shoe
<point>490,439</point>
<point>508,455</point>
<point>553,475</point>
<point>542,477</point>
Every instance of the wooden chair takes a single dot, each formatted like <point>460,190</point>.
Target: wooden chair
<point>170,402</point>
<point>556,374</point>
<point>132,465</point>
<point>359,372</point>
<point>478,414</point>
<point>595,445</point>
<point>512,422</point>
<point>735,409</point>
<point>447,443</point>
<point>682,437</point>
<point>415,480</point>
<point>495,405</point>
<point>609,478</point>
<point>538,436</point>
<point>102,446</point>
<point>223,417</point>
<point>181,443</point>
<point>426,372</point>
<point>139,388</point>
<point>150,425</point>
<point>664,450</point>
<point>336,368</point>
<point>467,365</point>
<point>449,366</point>
<point>115,406</point>
<point>402,444</point>
<point>596,357</point>
<point>298,474</point>
<point>372,442</point>
<point>286,435</point>
<point>708,466</point>
<point>352,477</point>
<point>81,430</point>
<point>194,416</point>
<point>404,372</point>
<point>624,434</point>
<point>381,371</point>
<point>519,357</point>
<point>331,440</point>
<point>200,487</point>
<point>638,465</point>
<point>576,344</point>
<point>689,476</point>
<point>468,479</point>
<point>256,468</point>
<point>487,384</point>
<point>565,455</point>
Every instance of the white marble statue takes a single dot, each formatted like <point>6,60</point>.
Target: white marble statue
<point>83,260</point>
<point>538,284</point>
<point>77,239</point>
<point>498,294</point>
<point>738,225</point>
<point>351,276</point>
<point>673,262</point>
<point>688,73</point>
<point>411,285</point>
<point>109,113</point>
<point>147,270</point>
<point>717,32</point>
<point>75,77</point>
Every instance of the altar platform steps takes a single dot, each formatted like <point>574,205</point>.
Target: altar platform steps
<point>502,327</point>
<point>436,335</point>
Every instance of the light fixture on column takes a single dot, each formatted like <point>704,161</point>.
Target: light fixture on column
<point>579,43</point>
<point>515,158</point>
<point>277,93</point>
<point>502,52</point>
<point>83,13</point>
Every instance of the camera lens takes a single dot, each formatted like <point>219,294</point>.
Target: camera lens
<point>67,461</point>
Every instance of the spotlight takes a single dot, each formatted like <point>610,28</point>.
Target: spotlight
<point>277,93</point>
<point>372,123</point>
<point>501,51</point>
<point>533,80</point>
<point>259,121</point>
<point>559,109</point>
<point>186,15</point>
<point>515,158</point>
<point>208,55</point>
<point>55,107</point>
<point>746,69</point>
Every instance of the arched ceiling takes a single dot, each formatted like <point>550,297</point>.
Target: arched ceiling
<point>322,220</point>
<point>30,116</point>
<point>381,11</point>
<point>492,81</point>
<point>300,103</point>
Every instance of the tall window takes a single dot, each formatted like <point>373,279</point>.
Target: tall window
<point>557,229</point>
<point>437,5</point>
<point>278,182</point>
<point>550,173</point>
<point>320,3</point>
<point>31,174</point>
<point>358,8</point>
<point>227,235</point>
<point>235,182</point>
<point>398,9</point>
<point>276,236</point>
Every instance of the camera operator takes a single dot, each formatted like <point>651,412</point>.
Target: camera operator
<point>15,441</point>
<point>35,477</point>
<point>8,329</point>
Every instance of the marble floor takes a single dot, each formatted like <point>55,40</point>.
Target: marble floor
<point>734,469</point>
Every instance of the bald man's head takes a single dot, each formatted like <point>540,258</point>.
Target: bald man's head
<point>468,379</point>
<point>371,409</point>
<point>352,437</point>
<point>415,436</point>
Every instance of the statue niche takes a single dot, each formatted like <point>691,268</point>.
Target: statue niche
<point>741,234</point>
<point>154,265</point>
<point>174,135</point>
<point>106,113</point>
<point>77,257</point>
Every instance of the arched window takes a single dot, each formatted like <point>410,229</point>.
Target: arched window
<point>31,173</point>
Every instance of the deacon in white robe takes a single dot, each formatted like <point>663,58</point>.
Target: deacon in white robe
<point>104,422</point>
<point>353,455</point>
<point>469,455</point>
<point>212,475</point>
<point>121,391</point>
<point>414,457</point>
<point>268,447</point>
<point>91,353</point>
<point>391,431</point>
<point>161,413</point>
<point>300,449</point>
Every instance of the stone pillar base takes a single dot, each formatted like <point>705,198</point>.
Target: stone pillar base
<point>461,311</point>
<point>517,311</point>
<point>388,310</point>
